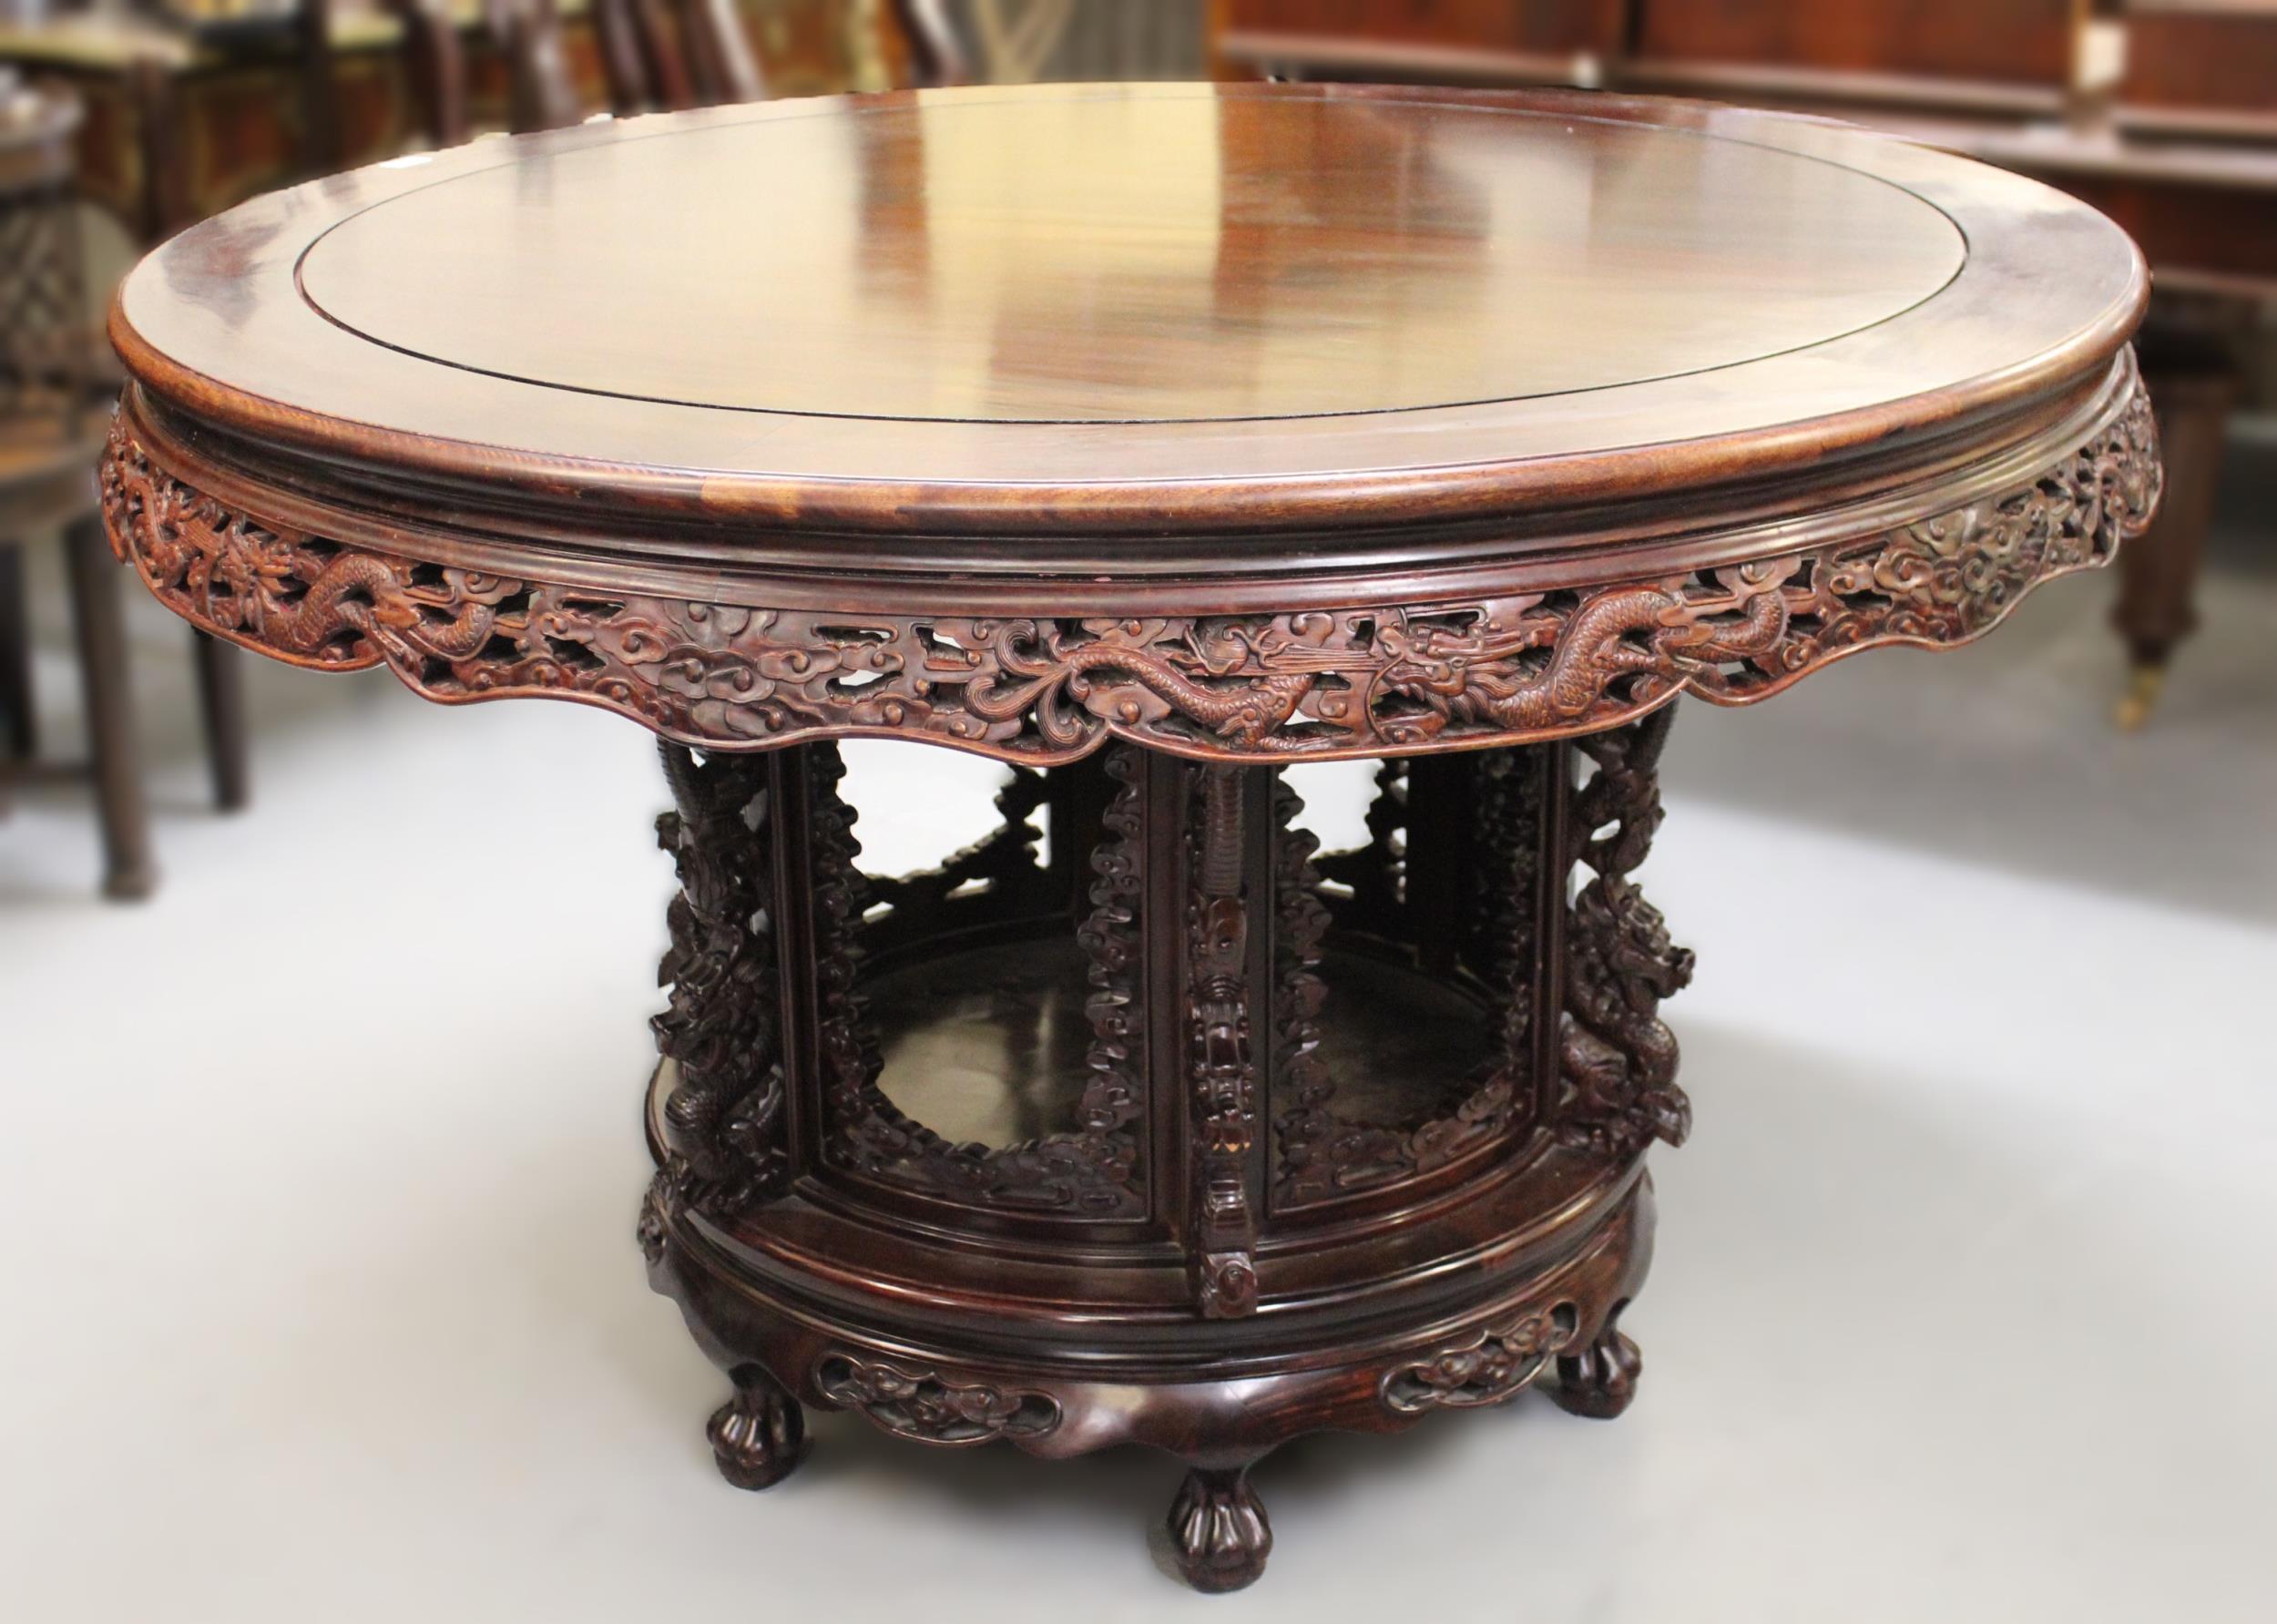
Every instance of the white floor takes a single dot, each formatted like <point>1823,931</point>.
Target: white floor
<point>317,1177</point>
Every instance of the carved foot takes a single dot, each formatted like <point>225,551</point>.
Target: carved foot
<point>1219,1530</point>
<point>758,1435</point>
<point>1600,1381</point>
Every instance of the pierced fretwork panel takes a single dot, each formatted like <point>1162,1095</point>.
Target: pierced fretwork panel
<point>1364,884</point>
<point>982,1036</point>
<point>1410,971</point>
<point>988,860</point>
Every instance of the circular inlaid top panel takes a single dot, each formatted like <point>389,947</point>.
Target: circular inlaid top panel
<point>1243,421</point>
<point>956,331</point>
<point>1130,260</point>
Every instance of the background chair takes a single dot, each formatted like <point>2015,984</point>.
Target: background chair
<point>50,433</point>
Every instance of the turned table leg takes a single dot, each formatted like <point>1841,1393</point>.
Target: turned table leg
<point>2158,572</point>
<point>128,870</point>
<point>222,703</point>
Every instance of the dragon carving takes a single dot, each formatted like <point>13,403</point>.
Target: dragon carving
<point>1652,634</point>
<point>725,1115</point>
<point>1354,681</point>
<point>1618,1056</point>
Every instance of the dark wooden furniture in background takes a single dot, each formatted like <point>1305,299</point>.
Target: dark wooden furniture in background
<point>2200,91</point>
<point>936,51</point>
<point>1143,1119</point>
<point>50,432</point>
<point>2194,387</point>
<point>720,61</point>
<point>2161,113</point>
<point>2006,56</point>
<point>542,87</point>
<point>1560,42</point>
<point>180,127</point>
<point>654,56</point>
<point>434,66</point>
<point>54,400</point>
<point>2200,67</point>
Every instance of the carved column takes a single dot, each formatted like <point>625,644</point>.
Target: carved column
<point>1618,1059</point>
<point>721,1029</point>
<point>1222,938</point>
<point>1511,927</point>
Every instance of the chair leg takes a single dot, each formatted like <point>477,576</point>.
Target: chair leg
<point>128,870</point>
<point>19,705</point>
<point>2158,572</point>
<point>221,698</point>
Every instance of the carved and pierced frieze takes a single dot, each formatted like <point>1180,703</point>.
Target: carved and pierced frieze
<point>931,1409</point>
<point>1485,1366</point>
<point>1002,865</point>
<point>1352,682</point>
<point>1371,880</point>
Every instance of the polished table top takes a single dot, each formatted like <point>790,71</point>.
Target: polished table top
<point>1336,356</point>
<point>922,309</point>
<point>1004,260</point>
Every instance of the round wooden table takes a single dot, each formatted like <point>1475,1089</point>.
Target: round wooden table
<point>1157,442</point>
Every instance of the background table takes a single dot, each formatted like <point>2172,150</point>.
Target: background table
<point>2161,113</point>
<point>1152,441</point>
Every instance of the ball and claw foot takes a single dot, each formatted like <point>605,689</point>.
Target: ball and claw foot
<point>1600,1381</point>
<point>1219,1531</point>
<point>758,1435</point>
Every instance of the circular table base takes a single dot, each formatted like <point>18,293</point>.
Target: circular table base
<point>1143,1120</point>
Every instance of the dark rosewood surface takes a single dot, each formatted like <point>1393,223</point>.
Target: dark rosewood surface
<point>993,260</point>
<point>1149,440</point>
<point>1307,306</point>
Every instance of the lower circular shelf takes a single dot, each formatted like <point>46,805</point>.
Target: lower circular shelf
<point>984,1043</point>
